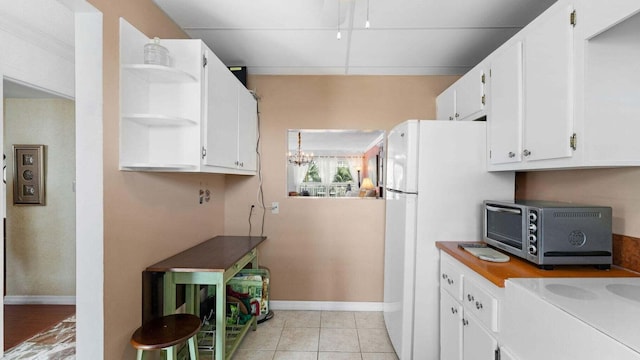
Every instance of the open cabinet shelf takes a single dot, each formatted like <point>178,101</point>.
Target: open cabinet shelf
<point>159,73</point>
<point>158,120</point>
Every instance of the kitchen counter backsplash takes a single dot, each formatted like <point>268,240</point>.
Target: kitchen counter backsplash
<point>626,252</point>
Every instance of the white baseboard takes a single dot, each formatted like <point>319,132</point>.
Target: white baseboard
<point>325,305</point>
<point>39,300</point>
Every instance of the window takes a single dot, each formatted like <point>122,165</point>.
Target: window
<point>334,163</point>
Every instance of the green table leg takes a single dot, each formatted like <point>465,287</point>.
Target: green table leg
<point>169,303</point>
<point>221,308</point>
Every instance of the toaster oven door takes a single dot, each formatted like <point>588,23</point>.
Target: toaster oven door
<point>504,227</point>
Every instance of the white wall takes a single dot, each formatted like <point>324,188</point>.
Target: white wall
<point>37,48</point>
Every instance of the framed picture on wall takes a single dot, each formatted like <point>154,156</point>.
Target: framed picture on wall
<point>28,175</point>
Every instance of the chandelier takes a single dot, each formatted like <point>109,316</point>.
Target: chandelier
<point>299,158</point>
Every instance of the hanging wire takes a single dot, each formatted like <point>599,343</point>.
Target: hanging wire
<point>260,195</point>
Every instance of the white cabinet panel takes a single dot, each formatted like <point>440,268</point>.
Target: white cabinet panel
<point>505,119</point>
<point>450,328</point>
<point>446,105</point>
<point>481,303</point>
<point>247,130</point>
<point>557,335</point>
<point>478,343</point>
<point>451,279</point>
<point>222,116</point>
<point>548,85</point>
<point>611,100</point>
<point>470,98</point>
<point>597,17</point>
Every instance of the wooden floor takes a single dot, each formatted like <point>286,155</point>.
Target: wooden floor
<point>23,321</point>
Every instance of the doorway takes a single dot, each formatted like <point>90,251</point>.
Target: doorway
<point>39,240</point>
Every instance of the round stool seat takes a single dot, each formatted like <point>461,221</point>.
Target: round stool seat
<point>165,331</point>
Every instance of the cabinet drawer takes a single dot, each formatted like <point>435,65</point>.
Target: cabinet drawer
<point>481,303</point>
<point>451,279</point>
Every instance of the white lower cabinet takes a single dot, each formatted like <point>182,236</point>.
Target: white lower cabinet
<point>450,328</point>
<point>468,323</point>
<point>478,342</point>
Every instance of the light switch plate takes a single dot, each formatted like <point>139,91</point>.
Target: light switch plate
<point>28,176</point>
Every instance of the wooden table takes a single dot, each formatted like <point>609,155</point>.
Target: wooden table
<point>212,262</point>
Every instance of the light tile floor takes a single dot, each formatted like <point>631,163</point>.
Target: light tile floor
<point>318,335</point>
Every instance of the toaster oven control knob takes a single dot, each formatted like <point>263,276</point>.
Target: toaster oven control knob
<point>532,239</point>
<point>533,228</point>
<point>533,216</point>
<point>532,249</point>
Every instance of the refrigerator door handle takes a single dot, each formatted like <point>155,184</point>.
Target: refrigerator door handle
<point>401,192</point>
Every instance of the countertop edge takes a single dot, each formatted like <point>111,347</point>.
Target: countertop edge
<point>498,273</point>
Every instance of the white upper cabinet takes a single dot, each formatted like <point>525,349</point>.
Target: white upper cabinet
<point>183,117</point>
<point>548,85</point>
<point>465,99</point>
<point>608,99</point>
<point>470,97</point>
<point>531,115</point>
<point>563,91</point>
<point>247,131</point>
<point>505,126</point>
<point>222,117</point>
<point>446,104</point>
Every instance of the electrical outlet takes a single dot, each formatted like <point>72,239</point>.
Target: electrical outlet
<point>275,208</point>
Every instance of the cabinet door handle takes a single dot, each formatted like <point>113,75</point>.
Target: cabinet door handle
<point>457,115</point>
<point>512,154</point>
<point>450,281</point>
<point>450,117</point>
<point>453,310</point>
<point>478,305</point>
<point>470,297</point>
<point>444,276</point>
<point>465,322</point>
<point>526,152</point>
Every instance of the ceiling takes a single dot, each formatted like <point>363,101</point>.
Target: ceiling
<point>334,142</point>
<point>406,37</point>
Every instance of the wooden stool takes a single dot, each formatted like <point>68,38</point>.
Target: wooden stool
<point>164,333</point>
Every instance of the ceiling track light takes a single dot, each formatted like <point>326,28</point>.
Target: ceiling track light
<point>338,35</point>
<point>367,24</point>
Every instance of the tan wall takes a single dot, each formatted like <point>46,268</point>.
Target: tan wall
<point>323,249</point>
<point>147,216</point>
<point>617,188</point>
<point>41,240</point>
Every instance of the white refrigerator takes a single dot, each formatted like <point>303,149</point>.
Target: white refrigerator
<point>436,181</point>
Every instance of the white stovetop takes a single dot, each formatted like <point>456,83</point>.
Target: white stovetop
<point>611,305</point>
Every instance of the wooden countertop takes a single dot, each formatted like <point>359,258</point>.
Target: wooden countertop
<point>497,273</point>
<point>213,255</point>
